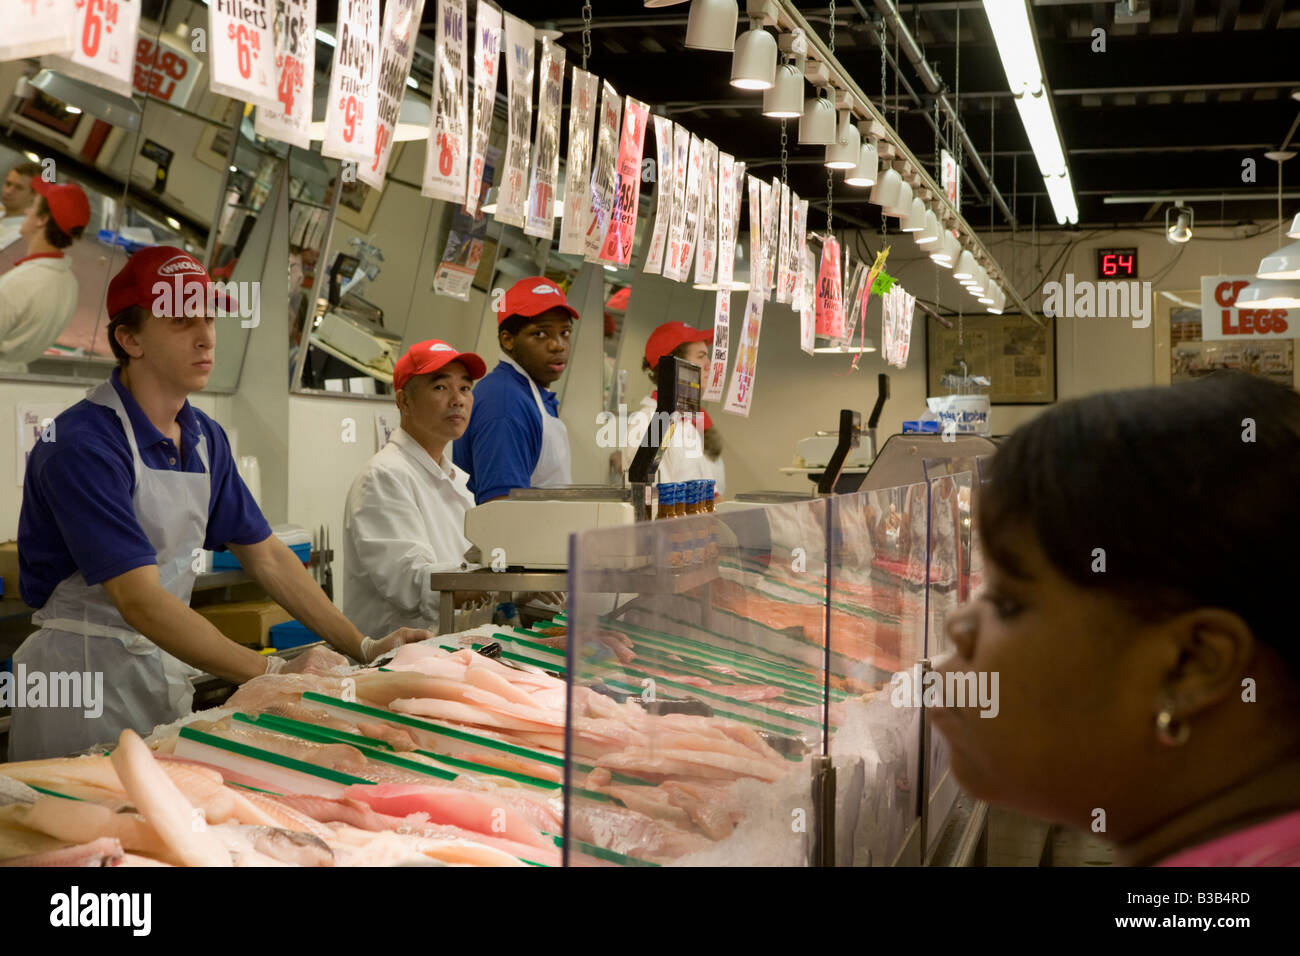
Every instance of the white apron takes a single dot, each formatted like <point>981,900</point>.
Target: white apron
<point>554,463</point>
<point>81,629</point>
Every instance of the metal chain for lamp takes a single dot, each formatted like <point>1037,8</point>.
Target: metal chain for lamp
<point>832,27</point>
<point>784,152</point>
<point>586,33</point>
<point>830,198</point>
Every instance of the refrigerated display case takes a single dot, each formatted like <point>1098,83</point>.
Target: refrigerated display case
<point>732,678</point>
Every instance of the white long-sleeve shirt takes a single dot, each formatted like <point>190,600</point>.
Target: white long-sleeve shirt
<point>37,299</point>
<point>404,519</point>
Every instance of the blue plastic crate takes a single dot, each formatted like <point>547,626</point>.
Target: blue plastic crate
<point>226,561</point>
<point>291,634</point>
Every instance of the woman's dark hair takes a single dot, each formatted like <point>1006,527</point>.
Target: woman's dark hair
<point>1192,491</point>
<point>53,234</point>
<point>131,318</point>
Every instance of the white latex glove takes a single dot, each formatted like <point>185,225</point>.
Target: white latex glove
<point>372,648</point>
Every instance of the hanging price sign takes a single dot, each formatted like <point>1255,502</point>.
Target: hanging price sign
<point>603,172</point>
<point>401,25</point>
<point>706,258</point>
<point>830,307</point>
<point>740,391</point>
<point>351,109</point>
<point>520,41</point>
<point>726,227</point>
<point>654,260</point>
<point>717,371</point>
<point>627,188</point>
<point>487,65</point>
<point>445,152</point>
<point>103,52</point>
<point>577,168</point>
<point>784,281</point>
<point>677,221</point>
<point>242,50</point>
<point>545,169</point>
<point>38,28</point>
<point>288,119</point>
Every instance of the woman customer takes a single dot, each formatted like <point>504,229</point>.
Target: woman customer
<point>1140,555</point>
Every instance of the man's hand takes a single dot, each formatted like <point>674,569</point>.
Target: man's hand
<point>372,649</point>
<point>472,600</point>
<point>315,660</point>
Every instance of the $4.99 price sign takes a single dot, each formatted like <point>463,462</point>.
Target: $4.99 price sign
<point>289,118</point>
<point>243,50</point>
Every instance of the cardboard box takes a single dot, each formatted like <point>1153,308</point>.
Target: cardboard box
<point>246,622</point>
<point>9,569</point>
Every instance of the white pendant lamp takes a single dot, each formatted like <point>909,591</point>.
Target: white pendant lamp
<point>1283,264</point>
<point>965,266</point>
<point>864,174</point>
<point>914,221</point>
<point>946,251</point>
<point>753,65</point>
<point>885,192</point>
<point>999,301</point>
<point>1180,230</point>
<point>845,152</point>
<point>1294,231</point>
<point>930,234</point>
<point>711,25</point>
<point>903,204</point>
<point>1270,294</point>
<point>817,123</point>
<point>785,99</point>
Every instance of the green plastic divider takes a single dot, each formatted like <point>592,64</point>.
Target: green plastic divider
<point>288,763</point>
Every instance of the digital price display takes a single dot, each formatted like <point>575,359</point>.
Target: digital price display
<point>1117,263</point>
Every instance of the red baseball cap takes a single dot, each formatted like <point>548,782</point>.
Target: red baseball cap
<point>669,336</point>
<point>134,283</point>
<point>533,296</point>
<point>425,357</point>
<point>69,207</point>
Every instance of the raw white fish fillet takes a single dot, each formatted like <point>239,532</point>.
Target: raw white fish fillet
<point>104,851</point>
<point>163,805</point>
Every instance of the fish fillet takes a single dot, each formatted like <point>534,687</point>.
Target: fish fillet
<point>104,851</point>
<point>163,805</point>
<point>461,808</point>
<point>81,823</point>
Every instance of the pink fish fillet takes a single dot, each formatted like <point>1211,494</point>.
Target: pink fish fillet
<point>106,851</point>
<point>489,680</point>
<point>457,712</point>
<point>461,808</point>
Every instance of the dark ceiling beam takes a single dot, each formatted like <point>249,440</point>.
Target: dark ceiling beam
<point>1272,11</point>
<point>1186,15</point>
<point>1228,15</point>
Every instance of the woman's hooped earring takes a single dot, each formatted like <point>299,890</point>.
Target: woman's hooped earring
<point>1169,730</point>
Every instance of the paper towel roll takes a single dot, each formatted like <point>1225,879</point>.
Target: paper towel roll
<point>251,472</point>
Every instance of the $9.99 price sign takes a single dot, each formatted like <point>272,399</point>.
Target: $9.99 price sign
<point>352,108</point>
<point>243,50</point>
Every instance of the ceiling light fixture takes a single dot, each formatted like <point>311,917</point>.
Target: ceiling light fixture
<point>1180,230</point>
<point>1012,29</point>
<point>965,266</point>
<point>931,231</point>
<point>711,25</point>
<point>885,191</point>
<point>903,204</point>
<point>846,151</point>
<point>946,252</point>
<point>1294,231</point>
<point>914,221</point>
<point>785,99</point>
<point>753,65</point>
<point>817,123</point>
<point>1270,294</point>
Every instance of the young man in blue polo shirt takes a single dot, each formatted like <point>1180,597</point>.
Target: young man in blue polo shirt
<point>515,438</point>
<point>118,507</point>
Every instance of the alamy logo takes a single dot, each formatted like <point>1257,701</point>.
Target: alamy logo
<point>56,689</point>
<point>194,297</point>
<point>74,908</point>
<point>624,431</point>
<point>1099,300</point>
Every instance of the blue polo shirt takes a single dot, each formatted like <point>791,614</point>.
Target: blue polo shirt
<point>504,439</point>
<point>77,513</point>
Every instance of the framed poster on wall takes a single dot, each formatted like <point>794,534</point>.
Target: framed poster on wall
<point>1017,355</point>
<point>358,202</point>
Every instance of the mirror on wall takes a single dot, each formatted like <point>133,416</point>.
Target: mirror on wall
<point>154,167</point>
